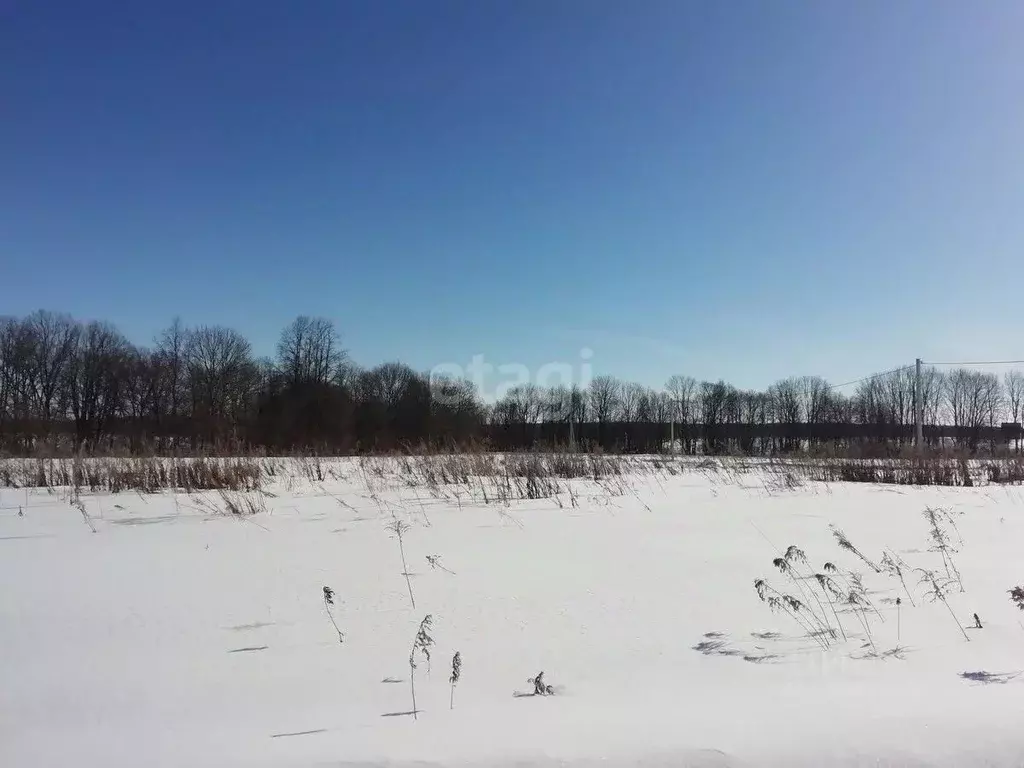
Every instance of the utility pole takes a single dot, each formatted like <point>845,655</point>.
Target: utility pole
<point>918,408</point>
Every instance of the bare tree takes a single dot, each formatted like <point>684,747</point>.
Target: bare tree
<point>933,387</point>
<point>510,410</point>
<point>52,340</point>
<point>309,351</point>
<point>974,401</point>
<point>386,384</point>
<point>789,403</point>
<point>992,399</point>
<point>456,409</point>
<point>840,409</point>
<point>557,404</point>
<point>395,403</point>
<point>348,376</point>
<point>662,406</point>
<point>141,387</point>
<point>898,394</point>
<point>170,386</point>
<point>815,393</point>
<point>603,395</point>
<point>523,407</point>
<point>869,403</point>
<point>630,395</point>
<point>681,390</point>
<point>532,398</point>
<point>712,402</point>
<point>1013,384</point>
<point>647,405</point>
<point>8,368</point>
<point>577,411</point>
<point>754,410</point>
<point>15,361</point>
<point>95,379</point>
<point>221,372</point>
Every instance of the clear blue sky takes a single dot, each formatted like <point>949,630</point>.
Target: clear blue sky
<point>744,190</point>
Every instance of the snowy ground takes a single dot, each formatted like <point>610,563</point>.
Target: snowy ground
<point>177,636</point>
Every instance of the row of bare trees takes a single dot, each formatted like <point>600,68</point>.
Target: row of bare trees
<point>704,416</point>
<point>85,384</point>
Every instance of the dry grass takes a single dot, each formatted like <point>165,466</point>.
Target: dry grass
<point>503,478</point>
<point>938,470</point>
<point>492,477</point>
<point>145,475</point>
<point>243,503</point>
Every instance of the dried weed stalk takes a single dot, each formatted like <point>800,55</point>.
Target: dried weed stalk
<point>422,645</point>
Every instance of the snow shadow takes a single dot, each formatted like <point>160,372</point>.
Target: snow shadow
<point>297,733</point>
<point>254,625</point>
<point>775,648</point>
<point>716,648</point>
<point>990,678</point>
<point>133,521</point>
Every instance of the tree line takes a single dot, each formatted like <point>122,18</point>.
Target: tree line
<point>83,385</point>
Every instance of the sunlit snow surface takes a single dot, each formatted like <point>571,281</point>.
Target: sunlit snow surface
<point>175,636</point>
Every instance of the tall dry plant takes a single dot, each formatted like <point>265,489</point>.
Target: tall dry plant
<point>422,645</point>
<point>243,503</point>
<point>848,589</point>
<point>938,590</point>
<point>453,679</point>
<point>1017,597</point>
<point>792,607</point>
<point>832,593</point>
<point>898,622</point>
<point>540,688</point>
<point>77,503</point>
<point>435,562</point>
<point>894,566</point>
<point>328,602</point>
<point>859,606</point>
<point>845,543</point>
<point>940,541</point>
<point>399,528</point>
<point>790,565</point>
<point>857,585</point>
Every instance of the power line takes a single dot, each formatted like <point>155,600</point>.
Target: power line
<point>869,378</point>
<point>830,387</point>
<point>978,362</point>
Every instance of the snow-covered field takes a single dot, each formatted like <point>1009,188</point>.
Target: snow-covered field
<point>162,632</point>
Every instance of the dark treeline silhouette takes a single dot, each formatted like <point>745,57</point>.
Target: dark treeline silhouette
<point>70,385</point>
